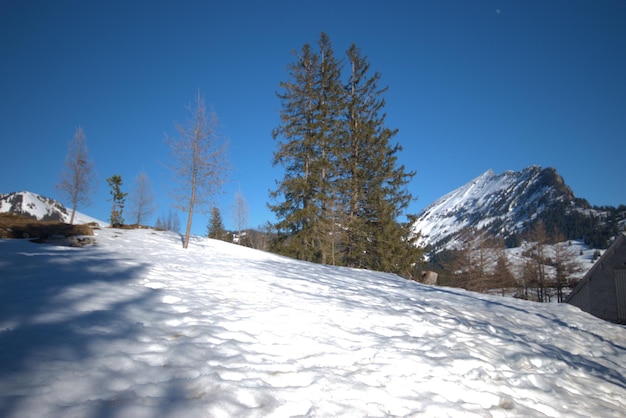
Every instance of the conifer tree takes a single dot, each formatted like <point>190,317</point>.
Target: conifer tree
<point>343,190</point>
<point>117,198</point>
<point>216,229</point>
<point>375,185</point>
<point>309,122</point>
<point>329,109</point>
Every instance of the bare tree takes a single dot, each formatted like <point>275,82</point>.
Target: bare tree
<point>566,264</point>
<point>502,276</point>
<point>240,214</point>
<point>473,261</point>
<point>261,237</point>
<point>141,199</point>
<point>198,161</point>
<point>77,179</point>
<point>169,222</point>
<point>536,271</point>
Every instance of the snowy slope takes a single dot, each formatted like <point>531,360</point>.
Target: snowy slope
<point>135,326</point>
<point>502,202</point>
<point>41,208</point>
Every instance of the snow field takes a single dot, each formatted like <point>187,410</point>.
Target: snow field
<point>137,326</point>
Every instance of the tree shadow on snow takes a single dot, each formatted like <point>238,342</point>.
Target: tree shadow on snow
<point>56,305</point>
<point>549,348</point>
<point>392,294</point>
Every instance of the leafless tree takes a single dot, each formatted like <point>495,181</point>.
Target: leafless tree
<point>502,276</point>
<point>536,271</point>
<point>240,213</point>
<point>477,261</point>
<point>261,237</point>
<point>566,264</point>
<point>78,177</point>
<point>141,199</point>
<point>198,161</point>
<point>169,222</point>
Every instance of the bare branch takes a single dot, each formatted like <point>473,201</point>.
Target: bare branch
<point>142,199</point>
<point>197,161</point>
<point>78,177</point>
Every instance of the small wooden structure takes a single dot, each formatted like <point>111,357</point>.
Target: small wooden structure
<point>602,292</point>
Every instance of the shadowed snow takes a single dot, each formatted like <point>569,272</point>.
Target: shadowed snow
<point>137,326</point>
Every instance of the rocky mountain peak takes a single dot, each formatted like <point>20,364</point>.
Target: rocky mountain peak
<point>503,204</point>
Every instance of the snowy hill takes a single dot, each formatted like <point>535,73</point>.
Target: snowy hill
<point>135,326</point>
<point>505,204</point>
<point>40,208</point>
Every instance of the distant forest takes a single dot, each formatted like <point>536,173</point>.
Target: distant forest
<point>597,226</point>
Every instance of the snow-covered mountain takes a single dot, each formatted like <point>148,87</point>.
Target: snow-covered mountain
<point>138,327</point>
<point>41,208</point>
<point>503,204</point>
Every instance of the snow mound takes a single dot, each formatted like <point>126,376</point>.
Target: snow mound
<point>137,326</point>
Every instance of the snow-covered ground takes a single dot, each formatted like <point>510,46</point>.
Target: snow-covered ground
<point>135,326</point>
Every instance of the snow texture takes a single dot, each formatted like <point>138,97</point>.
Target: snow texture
<point>135,326</point>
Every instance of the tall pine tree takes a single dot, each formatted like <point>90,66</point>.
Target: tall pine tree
<point>329,107</point>
<point>118,199</point>
<point>215,228</point>
<point>311,106</point>
<point>343,191</point>
<point>374,185</point>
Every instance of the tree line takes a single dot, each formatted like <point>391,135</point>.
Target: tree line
<point>197,163</point>
<point>477,261</point>
<point>343,190</point>
<point>78,182</point>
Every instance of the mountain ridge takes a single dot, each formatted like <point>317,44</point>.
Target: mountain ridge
<point>41,208</point>
<point>509,203</point>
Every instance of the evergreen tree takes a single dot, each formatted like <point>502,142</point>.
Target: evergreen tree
<point>342,191</point>
<point>117,198</point>
<point>329,109</point>
<point>311,104</point>
<point>216,229</point>
<point>374,185</point>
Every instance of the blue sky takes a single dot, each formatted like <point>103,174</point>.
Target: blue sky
<point>473,85</point>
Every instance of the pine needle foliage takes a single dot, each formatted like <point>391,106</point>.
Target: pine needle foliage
<point>215,228</point>
<point>343,189</point>
<point>118,199</point>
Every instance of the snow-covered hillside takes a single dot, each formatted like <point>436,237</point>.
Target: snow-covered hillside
<point>135,326</point>
<point>40,208</point>
<point>502,202</point>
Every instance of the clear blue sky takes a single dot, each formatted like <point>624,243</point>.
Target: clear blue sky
<point>473,85</point>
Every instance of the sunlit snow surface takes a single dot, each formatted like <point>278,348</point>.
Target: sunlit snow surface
<point>138,327</point>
